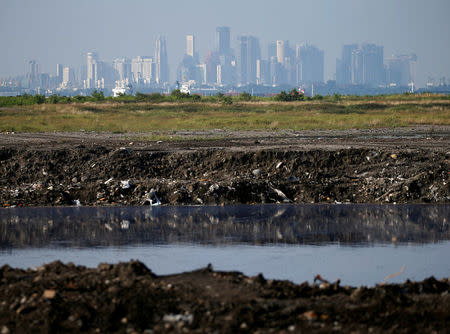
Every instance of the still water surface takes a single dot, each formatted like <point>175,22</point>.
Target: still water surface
<point>360,244</point>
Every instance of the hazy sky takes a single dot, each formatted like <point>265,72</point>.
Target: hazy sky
<point>62,31</point>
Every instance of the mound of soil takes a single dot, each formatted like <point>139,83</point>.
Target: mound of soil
<point>103,170</point>
<point>129,298</point>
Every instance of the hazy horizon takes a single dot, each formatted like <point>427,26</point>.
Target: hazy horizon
<point>51,31</point>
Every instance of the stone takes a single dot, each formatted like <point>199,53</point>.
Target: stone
<point>49,294</point>
<point>257,172</point>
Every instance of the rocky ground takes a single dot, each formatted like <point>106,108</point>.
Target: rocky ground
<point>407,165</point>
<point>129,298</point>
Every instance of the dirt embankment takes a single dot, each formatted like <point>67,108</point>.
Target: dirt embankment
<point>129,298</point>
<point>92,169</point>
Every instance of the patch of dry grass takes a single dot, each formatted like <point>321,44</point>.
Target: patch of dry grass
<point>261,115</point>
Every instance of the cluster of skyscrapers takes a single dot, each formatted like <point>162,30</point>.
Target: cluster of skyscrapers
<point>365,65</point>
<point>226,67</point>
<point>142,70</point>
<point>283,65</point>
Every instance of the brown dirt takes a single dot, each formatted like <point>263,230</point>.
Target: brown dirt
<point>401,165</point>
<point>407,165</point>
<point>129,298</point>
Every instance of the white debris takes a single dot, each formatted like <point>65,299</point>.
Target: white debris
<point>125,184</point>
<point>109,180</point>
<point>151,198</point>
<point>125,224</point>
<point>213,187</point>
<point>257,172</point>
<point>174,318</point>
<point>280,164</point>
<point>108,227</point>
<point>77,202</point>
<point>280,193</point>
<point>156,203</point>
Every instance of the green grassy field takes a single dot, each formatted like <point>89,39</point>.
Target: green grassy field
<point>258,114</point>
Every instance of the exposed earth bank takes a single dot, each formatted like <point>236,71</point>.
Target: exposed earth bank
<point>129,298</point>
<point>410,165</point>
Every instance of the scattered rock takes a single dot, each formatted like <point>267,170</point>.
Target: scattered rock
<point>128,297</point>
<point>174,318</point>
<point>49,294</point>
<point>257,172</point>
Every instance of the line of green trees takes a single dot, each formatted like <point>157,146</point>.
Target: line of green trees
<point>176,96</point>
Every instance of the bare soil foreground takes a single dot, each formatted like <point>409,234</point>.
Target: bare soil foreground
<point>400,165</point>
<point>403,165</point>
<point>129,298</point>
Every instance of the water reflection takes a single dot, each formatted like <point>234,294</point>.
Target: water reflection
<point>259,224</point>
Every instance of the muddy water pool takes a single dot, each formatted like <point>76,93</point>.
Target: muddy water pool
<point>359,244</point>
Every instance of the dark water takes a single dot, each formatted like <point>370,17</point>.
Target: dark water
<point>360,244</point>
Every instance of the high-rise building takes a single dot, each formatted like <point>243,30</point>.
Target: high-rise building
<point>226,74</point>
<point>212,61</point>
<point>373,70</point>
<point>362,65</point>
<point>187,70</point>
<point>310,64</point>
<point>280,52</point>
<point>122,67</point>
<point>401,70</point>
<point>190,45</point>
<point>143,70</point>
<point>223,40</point>
<point>249,53</point>
<point>93,70</point>
<point>33,74</point>
<point>59,73</point>
<point>262,72</point>
<point>68,77</point>
<point>344,65</point>
<point>357,67</point>
<point>276,71</point>
<point>271,50</point>
<point>161,62</point>
<point>200,73</point>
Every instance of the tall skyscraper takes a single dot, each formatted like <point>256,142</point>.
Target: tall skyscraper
<point>223,40</point>
<point>357,67</point>
<point>271,50</point>
<point>122,67</point>
<point>190,45</point>
<point>401,70</point>
<point>212,62</point>
<point>249,53</point>
<point>92,72</point>
<point>344,65</point>
<point>59,73</point>
<point>68,77</point>
<point>280,52</point>
<point>162,66</point>
<point>226,69</point>
<point>33,74</point>
<point>143,70</point>
<point>310,64</point>
<point>361,65</point>
<point>373,65</point>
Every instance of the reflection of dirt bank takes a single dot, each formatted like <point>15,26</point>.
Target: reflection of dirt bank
<point>351,166</point>
<point>128,298</point>
<point>249,224</point>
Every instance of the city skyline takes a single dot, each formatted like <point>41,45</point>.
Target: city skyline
<point>52,32</point>
<point>361,68</point>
